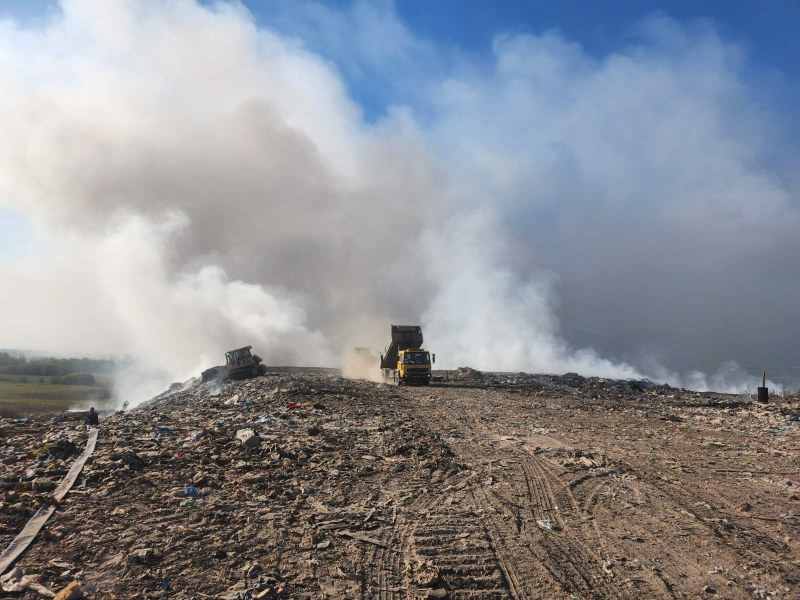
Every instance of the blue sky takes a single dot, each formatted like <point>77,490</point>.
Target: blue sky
<point>453,29</point>
<point>15,232</point>
<point>768,28</point>
<point>449,28</point>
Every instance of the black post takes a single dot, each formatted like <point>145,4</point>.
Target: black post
<point>763,392</point>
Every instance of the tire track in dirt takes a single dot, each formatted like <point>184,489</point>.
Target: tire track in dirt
<point>524,578</point>
<point>652,516</point>
<point>435,540</point>
<point>571,547</point>
<point>618,531</point>
<point>668,534</point>
<point>672,548</point>
<point>649,582</point>
<point>732,541</point>
<point>454,545</point>
<point>387,563</point>
<point>545,526</point>
<point>527,578</point>
<point>566,548</point>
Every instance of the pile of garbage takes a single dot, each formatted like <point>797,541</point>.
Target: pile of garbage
<point>592,388</point>
<point>238,490</point>
<point>303,484</point>
<point>467,374</point>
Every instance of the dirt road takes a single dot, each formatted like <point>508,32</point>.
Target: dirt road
<point>602,499</point>
<point>487,487</point>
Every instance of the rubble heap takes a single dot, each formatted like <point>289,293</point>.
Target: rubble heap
<point>302,484</point>
<point>230,490</point>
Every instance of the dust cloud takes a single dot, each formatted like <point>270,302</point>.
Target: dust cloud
<point>361,363</point>
<point>198,182</point>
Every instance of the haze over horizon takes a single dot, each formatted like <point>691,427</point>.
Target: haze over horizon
<point>178,178</point>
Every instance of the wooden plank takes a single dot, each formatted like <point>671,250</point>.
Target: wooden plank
<point>368,540</point>
<point>32,528</point>
<point>20,543</point>
<point>76,468</point>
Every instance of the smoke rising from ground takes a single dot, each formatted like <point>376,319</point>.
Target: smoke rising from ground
<point>198,182</point>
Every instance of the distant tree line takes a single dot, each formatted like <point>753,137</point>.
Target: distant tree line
<point>71,379</point>
<point>53,367</point>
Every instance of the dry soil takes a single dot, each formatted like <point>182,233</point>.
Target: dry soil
<point>480,487</point>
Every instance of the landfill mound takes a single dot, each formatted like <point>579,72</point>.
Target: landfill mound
<point>302,484</point>
<point>467,374</point>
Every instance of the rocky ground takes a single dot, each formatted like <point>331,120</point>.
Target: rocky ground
<point>307,485</point>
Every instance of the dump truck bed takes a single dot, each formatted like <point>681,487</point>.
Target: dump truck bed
<point>403,337</point>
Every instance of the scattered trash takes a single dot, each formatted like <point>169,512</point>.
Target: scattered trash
<point>73,591</point>
<point>253,571</point>
<point>189,492</point>
<point>248,438</point>
<point>373,470</point>
<point>143,556</point>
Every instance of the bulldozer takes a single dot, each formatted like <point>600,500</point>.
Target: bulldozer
<point>239,364</point>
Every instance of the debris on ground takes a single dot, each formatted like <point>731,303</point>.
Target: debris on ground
<point>303,484</point>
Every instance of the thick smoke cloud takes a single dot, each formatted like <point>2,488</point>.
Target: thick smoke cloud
<point>198,182</point>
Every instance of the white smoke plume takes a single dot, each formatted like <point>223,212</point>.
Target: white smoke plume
<point>198,181</point>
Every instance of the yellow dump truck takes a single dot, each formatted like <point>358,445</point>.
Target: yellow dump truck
<point>404,361</point>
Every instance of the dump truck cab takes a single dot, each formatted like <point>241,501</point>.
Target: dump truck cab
<point>414,366</point>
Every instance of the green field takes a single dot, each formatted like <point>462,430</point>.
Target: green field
<point>20,396</point>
